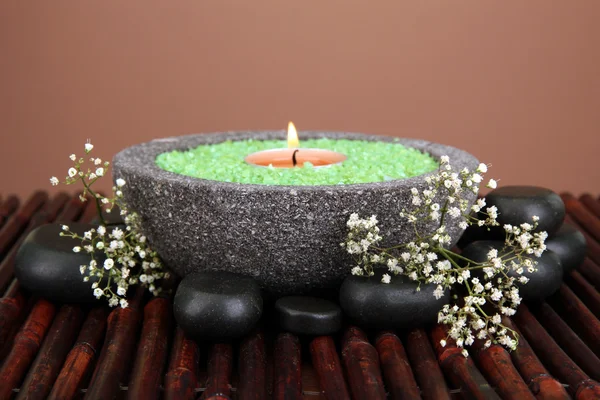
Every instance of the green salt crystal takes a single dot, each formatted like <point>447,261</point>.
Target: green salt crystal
<point>367,162</point>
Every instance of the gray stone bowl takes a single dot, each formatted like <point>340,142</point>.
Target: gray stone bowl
<point>286,237</point>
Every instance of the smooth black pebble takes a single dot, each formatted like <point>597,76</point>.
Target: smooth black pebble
<point>217,305</point>
<point>569,245</point>
<point>517,204</point>
<point>396,305</point>
<point>46,265</point>
<point>306,315</point>
<point>542,283</point>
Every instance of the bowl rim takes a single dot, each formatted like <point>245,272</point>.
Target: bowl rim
<point>140,160</point>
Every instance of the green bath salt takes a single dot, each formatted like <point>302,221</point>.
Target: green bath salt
<point>367,161</point>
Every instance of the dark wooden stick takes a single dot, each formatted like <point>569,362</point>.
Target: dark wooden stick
<point>399,378</point>
<point>460,369</point>
<point>568,340</point>
<point>115,357</point>
<point>591,271</point>
<point>288,368</point>
<point>553,357</point>
<point>11,309</point>
<point>327,364</point>
<point>541,384</point>
<point>361,362</point>
<point>593,247</point>
<point>16,224</point>
<point>25,347</point>
<point>7,207</point>
<point>591,204</point>
<point>252,365</point>
<point>220,366</point>
<point>79,361</point>
<point>182,376</point>
<point>52,353</point>
<point>152,351</point>
<point>47,214</point>
<point>425,366</point>
<point>585,291</point>
<point>585,218</point>
<point>579,317</point>
<point>496,365</point>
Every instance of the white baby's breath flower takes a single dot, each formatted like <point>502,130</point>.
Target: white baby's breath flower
<point>120,182</point>
<point>54,181</point>
<point>482,168</point>
<point>76,249</point>
<point>100,171</point>
<point>121,291</point>
<point>72,172</point>
<point>386,278</point>
<point>492,184</point>
<point>123,303</point>
<point>101,230</point>
<point>73,157</point>
<point>98,292</point>
<point>109,263</point>
<point>88,147</point>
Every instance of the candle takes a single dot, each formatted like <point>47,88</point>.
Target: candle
<point>294,155</point>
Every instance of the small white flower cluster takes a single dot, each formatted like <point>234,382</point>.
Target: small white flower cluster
<point>491,284</point>
<point>127,258</point>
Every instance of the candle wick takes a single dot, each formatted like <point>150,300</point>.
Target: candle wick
<point>294,162</point>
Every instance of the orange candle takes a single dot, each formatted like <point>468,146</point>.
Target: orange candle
<point>294,156</point>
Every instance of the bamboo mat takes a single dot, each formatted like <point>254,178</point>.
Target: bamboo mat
<point>66,351</point>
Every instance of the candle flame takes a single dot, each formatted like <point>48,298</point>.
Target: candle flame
<point>292,136</point>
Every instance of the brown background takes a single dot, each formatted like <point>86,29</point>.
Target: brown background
<point>517,83</point>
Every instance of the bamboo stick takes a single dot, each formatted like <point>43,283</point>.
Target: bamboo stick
<point>11,310</point>
<point>591,271</point>
<point>497,367</point>
<point>152,351</point>
<point>78,363</point>
<point>399,378</point>
<point>554,358</point>
<point>568,340</point>
<point>115,357</point>
<point>585,291</point>
<point>591,204</point>
<point>425,366</point>
<point>16,224</point>
<point>537,377</point>
<point>361,362</point>
<point>328,367</point>
<point>182,376</point>
<point>252,365</point>
<point>593,247</point>
<point>585,218</point>
<point>287,368</point>
<point>220,366</point>
<point>25,347</point>
<point>52,353</point>
<point>460,369</point>
<point>7,207</point>
<point>579,317</point>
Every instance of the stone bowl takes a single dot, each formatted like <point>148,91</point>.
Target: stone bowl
<point>286,237</point>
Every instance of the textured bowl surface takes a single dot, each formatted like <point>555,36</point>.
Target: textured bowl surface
<point>286,237</point>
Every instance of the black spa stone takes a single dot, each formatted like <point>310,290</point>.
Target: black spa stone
<point>397,305</point>
<point>569,245</point>
<point>542,282</point>
<point>517,204</point>
<point>217,305</point>
<point>46,265</point>
<point>306,315</point>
